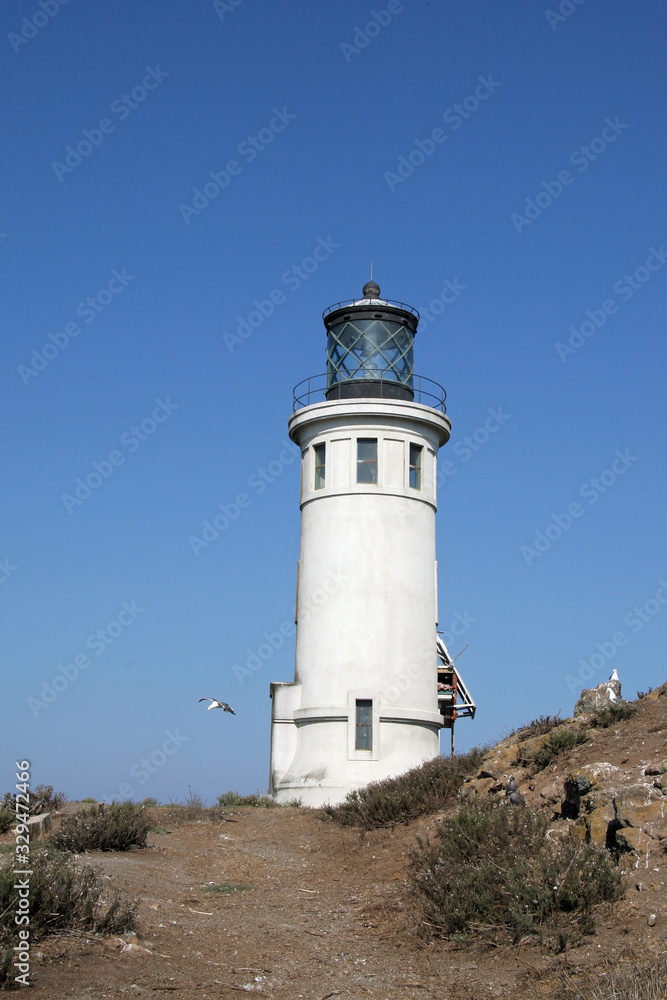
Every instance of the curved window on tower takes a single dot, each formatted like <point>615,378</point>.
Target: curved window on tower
<point>367,460</point>
<point>416,452</point>
<point>320,465</point>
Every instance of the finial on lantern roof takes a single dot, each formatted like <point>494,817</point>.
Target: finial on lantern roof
<point>371,290</point>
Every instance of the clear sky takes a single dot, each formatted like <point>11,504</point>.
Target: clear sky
<point>167,168</point>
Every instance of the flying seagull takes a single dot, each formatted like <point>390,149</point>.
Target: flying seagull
<point>614,675</point>
<point>218,704</point>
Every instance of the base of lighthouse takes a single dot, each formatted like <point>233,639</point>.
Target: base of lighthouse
<point>363,705</point>
<point>313,758</point>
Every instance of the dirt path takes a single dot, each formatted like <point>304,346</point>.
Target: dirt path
<point>322,916</point>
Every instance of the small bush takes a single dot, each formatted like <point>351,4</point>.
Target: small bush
<point>539,727</point>
<point>611,714</point>
<point>493,872</point>
<point>103,828</point>
<point>44,799</point>
<point>40,800</point>
<point>194,807</point>
<point>6,819</point>
<point>556,743</point>
<point>422,790</point>
<point>62,897</point>
<point>231,800</point>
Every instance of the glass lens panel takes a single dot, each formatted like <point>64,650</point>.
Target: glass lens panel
<point>370,349</point>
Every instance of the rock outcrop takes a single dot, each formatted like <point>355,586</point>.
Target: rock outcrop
<point>594,699</point>
<point>621,805</point>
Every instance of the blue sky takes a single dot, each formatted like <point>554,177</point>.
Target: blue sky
<point>540,199</point>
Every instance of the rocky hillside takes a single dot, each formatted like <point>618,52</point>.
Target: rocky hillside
<point>603,779</point>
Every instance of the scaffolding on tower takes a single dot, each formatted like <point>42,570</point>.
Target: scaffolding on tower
<point>454,700</point>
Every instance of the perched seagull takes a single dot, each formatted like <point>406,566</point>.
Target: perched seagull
<point>218,704</point>
<point>614,675</point>
<point>513,793</point>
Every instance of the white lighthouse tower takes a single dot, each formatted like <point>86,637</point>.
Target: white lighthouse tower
<point>364,701</point>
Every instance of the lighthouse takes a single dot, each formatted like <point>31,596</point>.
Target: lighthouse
<point>364,703</point>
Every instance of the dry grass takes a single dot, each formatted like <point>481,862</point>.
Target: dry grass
<point>541,726</point>
<point>638,979</point>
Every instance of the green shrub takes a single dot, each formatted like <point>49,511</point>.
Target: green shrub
<point>492,872</point>
<point>62,897</point>
<point>422,790</point>
<point>556,743</point>
<point>103,828</point>
<point>611,714</point>
<point>231,800</point>
<point>6,818</point>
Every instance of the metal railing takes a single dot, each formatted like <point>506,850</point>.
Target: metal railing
<point>425,390</point>
<point>371,302</point>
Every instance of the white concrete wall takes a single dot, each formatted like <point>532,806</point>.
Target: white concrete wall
<point>366,604</point>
